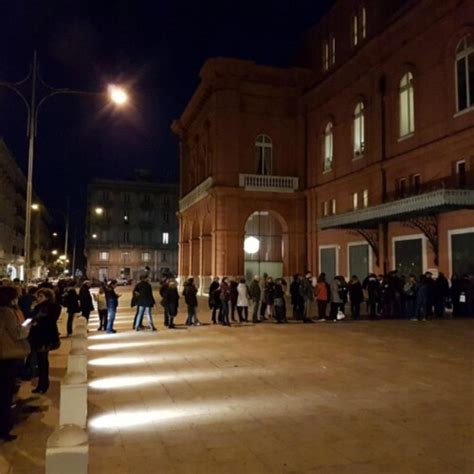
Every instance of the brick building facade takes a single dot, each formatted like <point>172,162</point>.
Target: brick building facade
<point>361,159</point>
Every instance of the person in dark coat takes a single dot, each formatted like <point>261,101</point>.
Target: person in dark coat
<point>172,302</point>
<point>85,300</point>
<point>295,296</point>
<point>44,335</point>
<point>145,301</point>
<point>71,302</point>
<point>190,298</point>
<point>233,295</point>
<point>255,292</point>
<point>356,296</point>
<point>224,295</point>
<point>163,293</point>
<point>372,286</point>
<point>214,300</point>
<point>440,295</point>
<point>421,299</point>
<point>279,302</point>
<point>112,299</point>
<point>25,302</point>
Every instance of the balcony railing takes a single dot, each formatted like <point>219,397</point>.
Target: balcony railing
<point>268,183</point>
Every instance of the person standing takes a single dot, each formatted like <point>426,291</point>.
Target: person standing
<point>441,295</point>
<point>255,294</point>
<point>214,300</point>
<point>279,302</point>
<point>322,291</point>
<point>163,293</point>
<point>421,299</point>
<point>409,293</point>
<point>14,348</point>
<point>44,335</point>
<point>295,295</point>
<point>172,302</point>
<point>243,301</point>
<point>71,302</point>
<point>263,293</point>
<point>145,302</point>
<point>101,308</point>
<point>336,300</point>
<point>85,300</point>
<point>372,286</point>
<point>112,304</point>
<point>190,298</point>
<point>224,296</point>
<point>356,296</point>
<point>307,293</point>
<point>233,295</point>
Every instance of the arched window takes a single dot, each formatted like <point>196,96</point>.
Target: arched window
<point>355,30</point>
<point>328,147</point>
<point>465,73</point>
<point>407,105</point>
<point>359,130</point>
<point>264,152</point>
<point>363,23</point>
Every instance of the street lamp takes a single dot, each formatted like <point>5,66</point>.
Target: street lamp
<point>99,210</point>
<point>35,207</point>
<point>94,236</point>
<point>55,234</point>
<point>33,105</point>
<point>54,252</point>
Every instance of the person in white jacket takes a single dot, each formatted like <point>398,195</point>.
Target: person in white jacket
<point>243,301</point>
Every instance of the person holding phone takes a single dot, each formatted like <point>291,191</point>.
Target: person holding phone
<point>14,348</point>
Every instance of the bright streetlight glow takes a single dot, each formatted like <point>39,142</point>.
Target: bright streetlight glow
<point>94,236</point>
<point>117,95</point>
<point>55,234</point>
<point>99,211</point>
<point>54,252</point>
<point>251,245</point>
<point>35,207</point>
<point>62,257</point>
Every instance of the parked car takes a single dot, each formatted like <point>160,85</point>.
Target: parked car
<point>124,281</point>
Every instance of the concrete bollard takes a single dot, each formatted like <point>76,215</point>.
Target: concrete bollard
<point>79,342</point>
<point>80,331</point>
<point>77,362</point>
<point>73,400</point>
<point>67,450</point>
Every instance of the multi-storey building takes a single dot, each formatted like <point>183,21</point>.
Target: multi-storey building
<point>131,228</point>
<point>359,160</point>
<point>12,223</point>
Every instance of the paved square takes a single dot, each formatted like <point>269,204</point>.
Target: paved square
<point>352,397</point>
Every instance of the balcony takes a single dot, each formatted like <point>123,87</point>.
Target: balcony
<point>268,183</point>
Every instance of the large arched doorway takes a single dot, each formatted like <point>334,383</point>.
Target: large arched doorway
<point>263,245</point>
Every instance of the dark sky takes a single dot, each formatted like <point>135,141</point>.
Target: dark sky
<point>154,47</point>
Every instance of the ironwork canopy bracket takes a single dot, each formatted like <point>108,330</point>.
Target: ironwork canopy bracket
<point>371,236</point>
<point>429,226</point>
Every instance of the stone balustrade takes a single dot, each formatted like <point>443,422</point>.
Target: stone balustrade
<point>268,183</point>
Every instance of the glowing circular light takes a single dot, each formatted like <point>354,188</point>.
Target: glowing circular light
<point>118,95</point>
<point>251,245</point>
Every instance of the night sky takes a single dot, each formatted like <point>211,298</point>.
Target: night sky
<point>156,48</point>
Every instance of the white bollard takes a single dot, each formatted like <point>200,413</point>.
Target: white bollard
<point>73,400</point>
<point>77,362</point>
<point>81,321</point>
<point>67,450</point>
<point>79,342</point>
<point>80,331</point>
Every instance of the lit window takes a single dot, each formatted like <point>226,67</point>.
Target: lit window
<point>146,256</point>
<point>465,73</point>
<point>104,256</point>
<point>359,130</point>
<point>333,51</point>
<point>355,201</point>
<point>326,55</point>
<point>325,208</point>
<point>365,198</point>
<point>363,25</point>
<point>328,147</point>
<point>166,238</point>
<point>125,257</point>
<point>407,105</point>
<point>461,172</point>
<point>333,206</point>
<point>355,30</point>
<point>263,152</point>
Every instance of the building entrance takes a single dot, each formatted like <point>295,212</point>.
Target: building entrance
<point>409,256</point>
<point>328,262</point>
<point>359,260</point>
<point>462,253</point>
<point>263,245</point>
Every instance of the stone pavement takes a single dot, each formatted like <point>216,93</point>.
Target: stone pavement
<point>352,397</point>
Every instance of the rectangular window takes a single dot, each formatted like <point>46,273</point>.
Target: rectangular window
<point>104,256</point>
<point>416,183</point>
<point>166,218</point>
<point>325,55</point>
<point>355,201</point>
<point>325,208</point>
<point>105,195</point>
<point>125,257</point>
<point>365,198</point>
<point>461,172</point>
<point>363,27</point>
<point>166,201</point>
<point>166,238</point>
<point>333,206</point>
<point>126,198</point>
<point>402,187</point>
<point>333,51</point>
<point>126,237</point>
<point>104,236</point>
<point>146,256</point>
<point>355,30</point>
<point>163,257</point>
